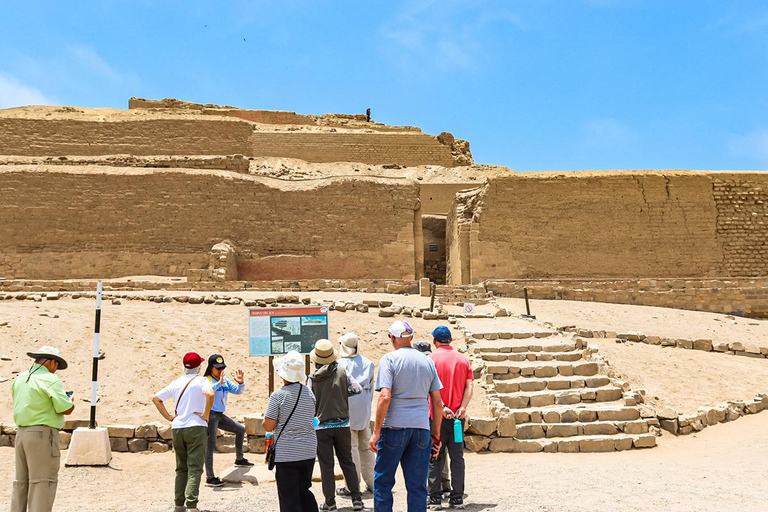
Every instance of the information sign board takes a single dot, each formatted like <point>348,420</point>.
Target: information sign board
<point>275,331</point>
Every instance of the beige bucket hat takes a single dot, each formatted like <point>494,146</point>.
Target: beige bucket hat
<point>324,352</point>
<point>349,344</point>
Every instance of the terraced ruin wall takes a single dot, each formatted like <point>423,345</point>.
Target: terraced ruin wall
<point>67,223</point>
<point>611,225</point>
<point>211,136</point>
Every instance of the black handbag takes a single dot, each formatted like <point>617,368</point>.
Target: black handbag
<point>271,450</point>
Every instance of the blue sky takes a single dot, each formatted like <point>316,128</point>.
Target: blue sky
<point>535,85</point>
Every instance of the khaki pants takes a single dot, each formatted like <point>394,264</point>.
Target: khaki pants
<point>37,469</point>
<point>362,456</point>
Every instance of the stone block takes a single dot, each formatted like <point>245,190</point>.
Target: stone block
<point>124,431</point>
<point>688,344</point>
<point>542,400</point>
<point>254,425</point>
<point>585,369</point>
<point>475,443</point>
<point>636,427</point>
<point>545,371</point>
<point>89,447</point>
<point>622,443</point>
<point>507,426</point>
<point>533,385</point>
<point>158,447</point>
<point>146,431</point>
<point>646,441</point>
<point>118,444</point>
<point>74,424</point>
<point>571,416</point>
<point>10,429</point>
<point>568,446</point>
<point>530,431</point>
<point>596,445</point>
<point>720,347</point>
<point>737,346</point>
<point>608,394</point>
<point>705,345</point>
<point>666,414</point>
<point>164,432</point>
<point>670,426</point>
<point>225,444</point>
<point>562,430</point>
<point>515,401</point>
<point>137,445</point>
<point>623,414</point>
<point>502,444</point>
<point>256,445</point>
<point>482,426</point>
<point>600,429</point>
<point>5,440</point>
<point>551,417</point>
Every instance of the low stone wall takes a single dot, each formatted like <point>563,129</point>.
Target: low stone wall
<point>683,424</point>
<point>733,348</point>
<point>153,437</point>
<point>308,285</point>
<point>235,163</point>
<point>738,296</point>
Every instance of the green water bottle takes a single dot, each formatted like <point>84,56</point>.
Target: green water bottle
<point>458,432</point>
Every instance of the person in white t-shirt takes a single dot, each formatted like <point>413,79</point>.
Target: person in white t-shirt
<point>193,396</point>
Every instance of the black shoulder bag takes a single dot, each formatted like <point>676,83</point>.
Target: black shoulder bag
<point>271,449</point>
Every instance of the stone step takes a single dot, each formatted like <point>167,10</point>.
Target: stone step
<point>511,370</point>
<point>575,355</point>
<point>595,428</point>
<point>583,413</point>
<point>559,382</point>
<point>511,346</point>
<point>496,335</point>
<point>523,399</point>
<point>583,444</point>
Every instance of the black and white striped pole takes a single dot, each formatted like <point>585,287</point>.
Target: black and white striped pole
<point>91,446</point>
<point>95,374</point>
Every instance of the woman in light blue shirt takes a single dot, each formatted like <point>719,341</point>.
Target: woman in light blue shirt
<point>222,386</point>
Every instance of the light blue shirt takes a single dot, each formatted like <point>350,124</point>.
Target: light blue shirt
<point>411,376</point>
<point>222,390</point>
<point>361,369</point>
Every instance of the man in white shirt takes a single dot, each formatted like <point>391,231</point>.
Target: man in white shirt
<point>189,423</point>
<point>362,370</point>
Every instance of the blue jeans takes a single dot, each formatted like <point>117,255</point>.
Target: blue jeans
<point>410,448</point>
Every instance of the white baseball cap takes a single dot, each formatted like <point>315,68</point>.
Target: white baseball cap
<point>401,329</point>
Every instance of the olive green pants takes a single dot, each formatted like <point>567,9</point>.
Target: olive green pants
<point>189,445</point>
<point>37,469</point>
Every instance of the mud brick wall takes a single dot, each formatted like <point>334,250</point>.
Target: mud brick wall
<point>612,224</point>
<point>742,217</point>
<point>404,149</point>
<point>69,222</point>
<point>39,137</point>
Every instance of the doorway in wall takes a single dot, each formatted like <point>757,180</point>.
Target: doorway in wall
<point>433,227</point>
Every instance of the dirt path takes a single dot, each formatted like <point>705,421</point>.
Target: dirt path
<point>721,468</point>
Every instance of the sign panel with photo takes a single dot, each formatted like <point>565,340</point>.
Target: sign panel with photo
<point>275,331</point>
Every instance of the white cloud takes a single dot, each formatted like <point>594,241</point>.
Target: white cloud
<point>753,145</point>
<point>90,59</point>
<point>431,36</point>
<point>607,134</point>
<point>13,93</point>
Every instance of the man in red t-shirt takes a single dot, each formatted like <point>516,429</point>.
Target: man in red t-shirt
<point>455,373</point>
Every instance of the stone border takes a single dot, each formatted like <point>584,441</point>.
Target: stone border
<point>735,348</point>
<point>152,437</point>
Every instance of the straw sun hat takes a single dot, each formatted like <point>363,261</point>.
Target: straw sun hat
<point>324,352</point>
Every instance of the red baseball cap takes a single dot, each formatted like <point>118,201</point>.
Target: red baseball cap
<point>192,360</point>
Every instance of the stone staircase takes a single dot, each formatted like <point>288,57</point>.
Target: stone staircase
<point>552,385</point>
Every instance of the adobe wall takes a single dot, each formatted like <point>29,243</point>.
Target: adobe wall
<point>55,137</point>
<point>69,222</point>
<point>612,224</point>
<point>207,135</point>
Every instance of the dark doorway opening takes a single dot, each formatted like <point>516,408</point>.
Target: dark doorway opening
<point>434,247</point>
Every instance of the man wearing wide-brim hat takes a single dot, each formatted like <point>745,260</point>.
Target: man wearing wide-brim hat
<point>332,386</point>
<point>39,406</point>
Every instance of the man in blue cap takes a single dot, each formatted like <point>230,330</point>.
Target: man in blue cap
<point>455,372</point>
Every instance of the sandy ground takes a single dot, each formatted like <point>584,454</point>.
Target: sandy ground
<point>722,468</point>
<point>671,323</point>
<point>685,379</point>
<point>144,343</point>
